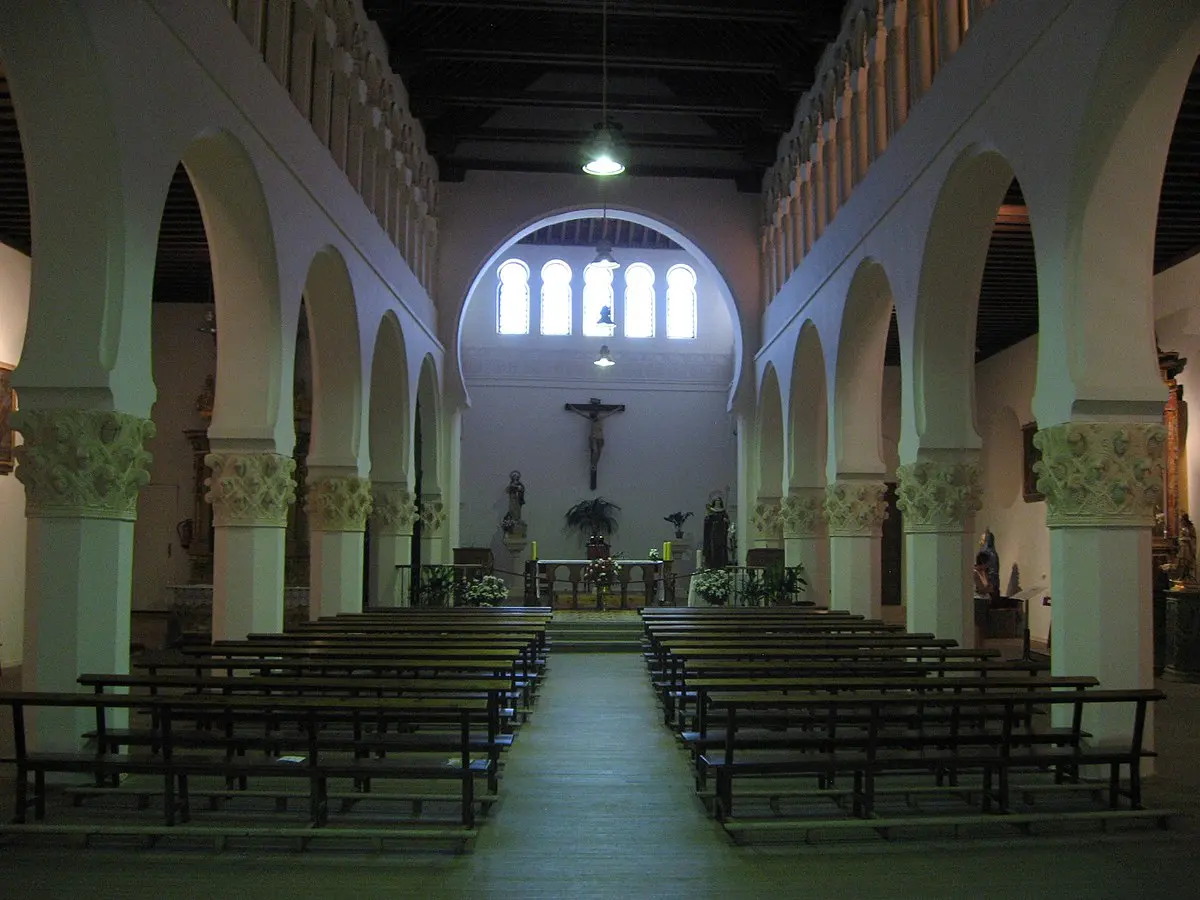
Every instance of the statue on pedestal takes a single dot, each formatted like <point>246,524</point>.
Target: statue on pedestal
<point>512,524</point>
<point>716,535</point>
<point>1183,570</point>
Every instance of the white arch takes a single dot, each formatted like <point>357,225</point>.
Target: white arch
<point>674,232</point>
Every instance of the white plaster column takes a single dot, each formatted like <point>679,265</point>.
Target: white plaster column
<point>922,49</point>
<point>1102,481</point>
<point>939,499</point>
<point>81,470</point>
<point>393,512</point>
<point>855,511</point>
<point>433,530</point>
<point>337,508</point>
<point>805,539</point>
<point>339,110</point>
<point>877,91</point>
<point>897,62</point>
<point>321,115</point>
<point>250,494</point>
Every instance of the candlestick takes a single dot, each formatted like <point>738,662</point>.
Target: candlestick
<point>533,550</point>
<point>666,551</point>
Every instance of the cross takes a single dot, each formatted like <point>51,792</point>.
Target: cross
<point>596,412</point>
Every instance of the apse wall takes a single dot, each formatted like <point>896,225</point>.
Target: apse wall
<point>673,445</point>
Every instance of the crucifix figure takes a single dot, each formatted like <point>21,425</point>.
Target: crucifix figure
<point>595,412</point>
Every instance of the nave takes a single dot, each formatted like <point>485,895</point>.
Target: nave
<point>598,802</point>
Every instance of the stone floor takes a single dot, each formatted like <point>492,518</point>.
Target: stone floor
<point>597,803</point>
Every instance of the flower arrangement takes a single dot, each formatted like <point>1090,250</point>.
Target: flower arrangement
<point>601,571</point>
<point>713,585</point>
<point>490,590</point>
<point>654,554</point>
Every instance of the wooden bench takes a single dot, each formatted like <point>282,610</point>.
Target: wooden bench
<point>886,740</point>
<point>497,737</point>
<point>359,754</point>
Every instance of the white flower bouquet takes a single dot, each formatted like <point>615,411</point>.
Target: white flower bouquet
<point>490,590</point>
<point>713,585</point>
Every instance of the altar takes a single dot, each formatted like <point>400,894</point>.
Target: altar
<point>561,582</point>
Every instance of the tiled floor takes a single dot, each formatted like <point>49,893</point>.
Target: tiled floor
<point>598,803</point>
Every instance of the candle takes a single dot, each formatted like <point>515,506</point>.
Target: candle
<point>533,550</point>
<point>666,551</point>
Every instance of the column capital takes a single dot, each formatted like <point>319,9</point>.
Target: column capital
<point>1097,474</point>
<point>393,508</point>
<point>82,463</point>
<point>248,489</point>
<point>939,495</point>
<point>802,513</point>
<point>855,508</point>
<point>766,519</point>
<point>338,503</point>
<point>432,514</point>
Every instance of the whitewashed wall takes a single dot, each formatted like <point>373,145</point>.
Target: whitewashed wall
<point>672,446</point>
<point>14,309</point>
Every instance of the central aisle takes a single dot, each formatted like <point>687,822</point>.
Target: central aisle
<point>597,793</point>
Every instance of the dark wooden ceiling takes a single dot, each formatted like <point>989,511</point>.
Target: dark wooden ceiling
<point>513,85</point>
<point>699,88</point>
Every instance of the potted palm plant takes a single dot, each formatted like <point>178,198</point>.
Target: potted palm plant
<point>593,519</point>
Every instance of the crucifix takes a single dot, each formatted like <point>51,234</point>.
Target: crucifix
<point>595,412</point>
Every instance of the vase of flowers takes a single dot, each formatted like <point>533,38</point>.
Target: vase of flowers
<point>602,573</point>
<point>713,586</point>
<point>654,554</point>
<point>490,590</point>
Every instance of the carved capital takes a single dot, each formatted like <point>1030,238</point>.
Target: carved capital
<point>1101,473</point>
<point>766,519</point>
<point>82,463</point>
<point>393,509</point>
<point>855,508</point>
<point>433,515</point>
<point>938,496</point>
<point>338,504</point>
<point>247,489</point>
<point>802,513</point>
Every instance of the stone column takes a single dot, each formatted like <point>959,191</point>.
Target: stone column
<point>250,494</point>
<point>337,518</point>
<point>81,470</point>
<point>855,510</point>
<point>433,530</point>
<point>939,499</point>
<point>805,541</point>
<point>1102,481</point>
<point>393,512</point>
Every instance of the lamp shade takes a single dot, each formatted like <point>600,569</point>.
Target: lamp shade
<point>602,158</point>
<point>604,255</point>
<point>604,360</point>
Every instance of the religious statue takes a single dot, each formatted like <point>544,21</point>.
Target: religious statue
<point>716,535</point>
<point>512,522</point>
<point>1184,569</point>
<point>595,412</point>
<point>991,561</point>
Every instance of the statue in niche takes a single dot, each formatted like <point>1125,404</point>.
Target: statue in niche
<point>716,535</point>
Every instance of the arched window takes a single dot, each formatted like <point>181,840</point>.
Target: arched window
<point>681,302</point>
<point>512,298</point>
<point>556,297</point>
<point>597,294</point>
<point>639,301</point>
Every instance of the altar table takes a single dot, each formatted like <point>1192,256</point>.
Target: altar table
<point>651,574</point>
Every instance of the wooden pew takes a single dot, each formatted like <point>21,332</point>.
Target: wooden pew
<point>359,754</point>
<point>888,743</point>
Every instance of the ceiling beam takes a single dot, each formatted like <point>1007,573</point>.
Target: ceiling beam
<point>634,9</point>
<point>428,103</point>
<point>543,58</point>
<point>569,137</point>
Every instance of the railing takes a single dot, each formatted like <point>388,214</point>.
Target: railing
<point>332,61</point>
<point>885,58</point>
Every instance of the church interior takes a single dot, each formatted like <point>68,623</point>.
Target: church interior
<point>567,325</point>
